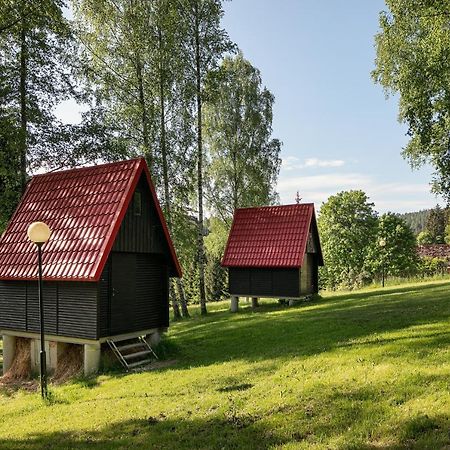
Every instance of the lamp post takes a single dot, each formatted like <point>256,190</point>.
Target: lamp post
<point>39,233</point>
<point>382,244</point>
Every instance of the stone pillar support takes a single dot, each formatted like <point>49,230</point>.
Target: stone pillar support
<point>234,304</point>
<point>91,358</point>
<point>9,350</point>
<point>255,303</point>
<point>155,338</point>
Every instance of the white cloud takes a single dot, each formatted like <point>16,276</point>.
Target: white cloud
<point>393,196</point>
<point>294,163</point>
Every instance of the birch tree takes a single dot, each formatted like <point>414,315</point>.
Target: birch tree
<point>244,159</point>
<point>206,42</point>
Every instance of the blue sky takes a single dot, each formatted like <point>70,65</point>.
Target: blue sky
<point>338,130</point>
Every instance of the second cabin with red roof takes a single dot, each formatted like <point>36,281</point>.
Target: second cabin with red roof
<point>106,266</point>
<point>273,251</point>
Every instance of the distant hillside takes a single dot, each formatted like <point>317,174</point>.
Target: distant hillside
<point>416,220</point>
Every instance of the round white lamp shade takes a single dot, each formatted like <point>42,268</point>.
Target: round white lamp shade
<point>38,232</point>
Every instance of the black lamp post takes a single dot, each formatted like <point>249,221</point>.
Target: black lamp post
<point>382,244</point>
<point>39,233</point>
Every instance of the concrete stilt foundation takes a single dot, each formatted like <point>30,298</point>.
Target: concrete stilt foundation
<point>255,303</point>
<point>53,350</point>
<point>57,346</point>
<point>234,304</point>
<point>9,349</point>
<point>155,338</point>
<point>92,354</point>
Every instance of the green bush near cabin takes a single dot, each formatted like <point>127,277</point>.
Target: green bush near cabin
<point>360,370</point>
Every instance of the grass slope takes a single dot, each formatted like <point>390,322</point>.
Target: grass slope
<point>355,371</point>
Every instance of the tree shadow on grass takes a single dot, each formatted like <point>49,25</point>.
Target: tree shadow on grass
<point>277,333</point>
<point>310,330</point>
<point>232,432</point>
<point>387,291</point>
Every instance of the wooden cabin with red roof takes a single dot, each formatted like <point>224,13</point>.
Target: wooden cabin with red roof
<point>106,266</point>
<point>273,251</point>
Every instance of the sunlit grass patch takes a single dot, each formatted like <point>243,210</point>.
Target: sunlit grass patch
<point>356,370</point>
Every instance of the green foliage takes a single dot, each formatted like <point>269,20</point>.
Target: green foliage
<point>447,234</point>
<point>347,224</point>
<point>413,49</point>
<point>416,220</point>
<point>216,279</point>
<point>425,238</point>
<point>10,178</point>
<point>244,160</point>
<point>351,371</point>
<point>216,276</point>
<point>435,226</point>
<point>37,53</point>
<point>433,266</point>
<point>398,257</point>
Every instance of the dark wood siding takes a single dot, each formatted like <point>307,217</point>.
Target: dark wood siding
<point>264,282</point>
<point>77,309</point>
<point>123,294</point>
<point>152,302</point>
<point>103,301</point>
<point>13,303</point>
<point>139,283</point>
<point>70,308</point>
<point>49,292</point>
<point>142,233</point>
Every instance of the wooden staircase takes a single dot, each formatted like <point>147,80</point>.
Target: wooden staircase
<point>132,353</point>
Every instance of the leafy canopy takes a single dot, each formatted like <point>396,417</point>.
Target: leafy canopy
<point>244,159</point>
<point>398,255</point>
<point>413,50</point>
<point>347,224</point>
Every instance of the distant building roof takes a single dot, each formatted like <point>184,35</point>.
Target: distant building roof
<point>434,251</point>
<point>271,236</point>
<point>84,209</point>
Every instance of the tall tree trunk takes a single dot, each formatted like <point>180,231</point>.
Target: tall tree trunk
<point>182,297</point>
<point>144,114</point>
<point>235,182</point>
<point>201,248</point>
<point>173,300</point>
<point>175,305</point>
<point>23,102</point>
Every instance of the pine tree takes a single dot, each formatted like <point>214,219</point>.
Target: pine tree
<point>436,225</point>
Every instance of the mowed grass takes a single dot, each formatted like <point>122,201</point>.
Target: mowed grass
<point>364,370</point>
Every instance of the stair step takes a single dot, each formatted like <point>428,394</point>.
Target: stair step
<point>137,354</point>
<point>140,363</point>
<point>128,346</point>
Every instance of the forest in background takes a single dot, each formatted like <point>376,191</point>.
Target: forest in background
<point>416,220</point>
<point>158,79</point>
<point>163,80</point>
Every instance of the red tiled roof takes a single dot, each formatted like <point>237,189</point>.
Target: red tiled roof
<point>270,236</point>
<point>84,209</point>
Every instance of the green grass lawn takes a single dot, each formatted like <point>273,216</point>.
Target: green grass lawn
<point>364,370</point>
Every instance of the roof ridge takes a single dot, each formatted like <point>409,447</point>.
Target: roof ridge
<point>276,206</point>
<point>270,236</point>
<point>93,166</point>
<point>84,219</point>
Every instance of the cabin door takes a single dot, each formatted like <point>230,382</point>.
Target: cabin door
<point>123,292</point>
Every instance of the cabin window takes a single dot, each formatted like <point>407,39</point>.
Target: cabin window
<point>137,203</point>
